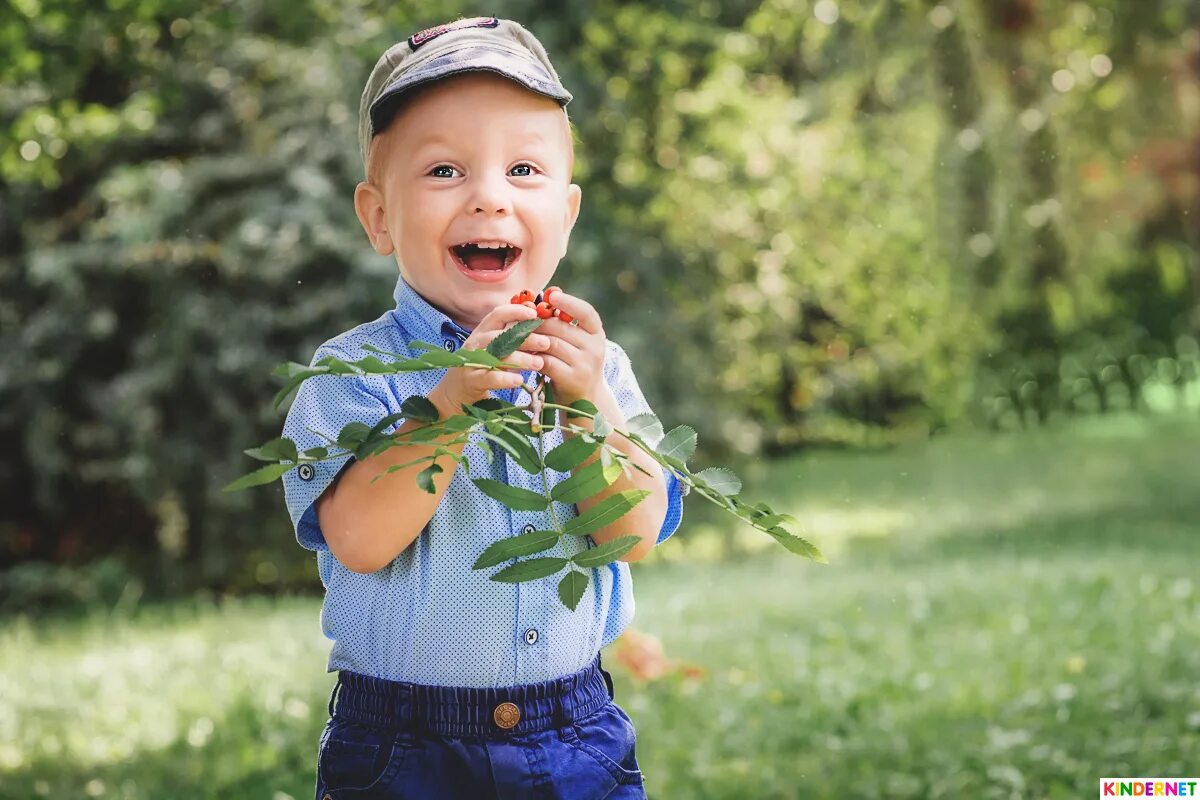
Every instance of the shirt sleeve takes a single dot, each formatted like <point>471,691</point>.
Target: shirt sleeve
<point>324,403</point>
<point>631,401</point>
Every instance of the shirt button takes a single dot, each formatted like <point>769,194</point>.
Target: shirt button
<point>528,529</point>
<point>531,636</point>
<point>449,345</point>
<point>306,472</point>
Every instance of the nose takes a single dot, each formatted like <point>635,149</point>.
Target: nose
<point>488,196</point>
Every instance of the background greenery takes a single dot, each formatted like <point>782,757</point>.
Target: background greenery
<point>816,225</point>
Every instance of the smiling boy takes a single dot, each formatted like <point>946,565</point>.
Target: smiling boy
<point>451,685</point>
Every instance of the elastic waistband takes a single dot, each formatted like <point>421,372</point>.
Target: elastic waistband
<point>467,711</point>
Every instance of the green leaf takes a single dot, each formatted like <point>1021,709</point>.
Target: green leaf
<point>437,359</point>
<point>316,452</point>
<point>524,453</point>
<point>585,406</point>
<point>525,544</point>
<point>337,366</point>
<point>290,369</point>
<point>572,587</point>
<point>373,366</point>
<point>517,447</point>
<point>679,444</point>
<point>797,545</point>
<point>607,510</point>
<point>646,426</point>
<point>480,358</point>
<point>425,477</point>
<point>508,341</point>
<point>530,569</point>
<point>294,381</point>
<point>587,481</point>
<point>720,480</point>
<point>418,407</point>
<point>605,553</point>
<point>275,450</point>
<point>378,427</point>
<point>458,423</point>
<point>514,497</point>
<point>490,404</point>
<point>570,454</point>
<point>601,428</point>
<point>352,435</point>
<point>260,476</point>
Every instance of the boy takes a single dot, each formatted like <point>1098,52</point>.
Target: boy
<point>451,685</point>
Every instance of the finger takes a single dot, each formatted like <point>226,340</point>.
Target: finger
<point>555,368</point>
<point>563,350</point>
<point>501,381</point>
<point>503,315</point>
<point>536,343</point>
<point>580,309</point>
<point>564,331</point>
<point>525,361</point>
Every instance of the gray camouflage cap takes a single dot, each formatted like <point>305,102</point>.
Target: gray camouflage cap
<point>478,44</point>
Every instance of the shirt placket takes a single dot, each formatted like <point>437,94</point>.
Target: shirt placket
<point>528,632</point>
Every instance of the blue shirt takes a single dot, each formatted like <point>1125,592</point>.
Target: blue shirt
<point>427,617</point>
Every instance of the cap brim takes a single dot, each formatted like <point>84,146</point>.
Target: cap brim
<point>525,71</point>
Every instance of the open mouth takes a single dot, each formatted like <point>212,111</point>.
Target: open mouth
<point>485,255</point>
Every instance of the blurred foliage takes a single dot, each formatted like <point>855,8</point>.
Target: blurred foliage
<point>846,222</point>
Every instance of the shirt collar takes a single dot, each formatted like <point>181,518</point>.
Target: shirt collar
<point>424,322</point>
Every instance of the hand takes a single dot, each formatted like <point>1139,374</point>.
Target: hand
<point>574,357</point>
<point>466,385</point>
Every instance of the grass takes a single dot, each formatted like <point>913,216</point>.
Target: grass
<point>1002,618</point>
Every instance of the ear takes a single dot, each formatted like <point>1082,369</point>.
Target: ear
<point>368,204</point>
<point>574,196</point>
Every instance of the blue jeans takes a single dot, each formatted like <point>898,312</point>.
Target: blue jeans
<point>559,740</point>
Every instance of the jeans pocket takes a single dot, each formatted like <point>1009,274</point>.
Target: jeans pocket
<point>609,738</point>
<point>355,759</point>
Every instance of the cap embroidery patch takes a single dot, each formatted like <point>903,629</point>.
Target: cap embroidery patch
<point>418,39</point>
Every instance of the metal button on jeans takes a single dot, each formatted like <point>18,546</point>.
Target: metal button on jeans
<point>531,636</point>
<point>507,715</point>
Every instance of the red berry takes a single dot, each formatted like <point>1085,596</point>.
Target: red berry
<point>515,299</point>
<point>524,295</point>
<point>549,290</point>
<point>544,310</point>
<point>564,316</point>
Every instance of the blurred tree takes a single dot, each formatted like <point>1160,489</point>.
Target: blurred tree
<point>838,221</point>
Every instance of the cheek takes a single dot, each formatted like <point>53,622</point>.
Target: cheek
<point>423,221</point>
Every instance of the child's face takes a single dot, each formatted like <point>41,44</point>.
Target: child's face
<point>474,159</point>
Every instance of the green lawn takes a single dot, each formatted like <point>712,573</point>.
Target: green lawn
<point>1003,617</point>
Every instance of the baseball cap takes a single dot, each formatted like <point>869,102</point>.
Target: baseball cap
<point>476,44</point>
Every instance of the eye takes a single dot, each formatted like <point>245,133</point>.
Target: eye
<point>443,171</point>
<point>522,170</point>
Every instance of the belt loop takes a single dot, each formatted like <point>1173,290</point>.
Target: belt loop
<point>607,678</point>
<point>333,694</point>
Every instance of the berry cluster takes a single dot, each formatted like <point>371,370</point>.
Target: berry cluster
<point>541,303</point>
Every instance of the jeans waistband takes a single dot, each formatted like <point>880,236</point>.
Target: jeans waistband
<point>469,711</point>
